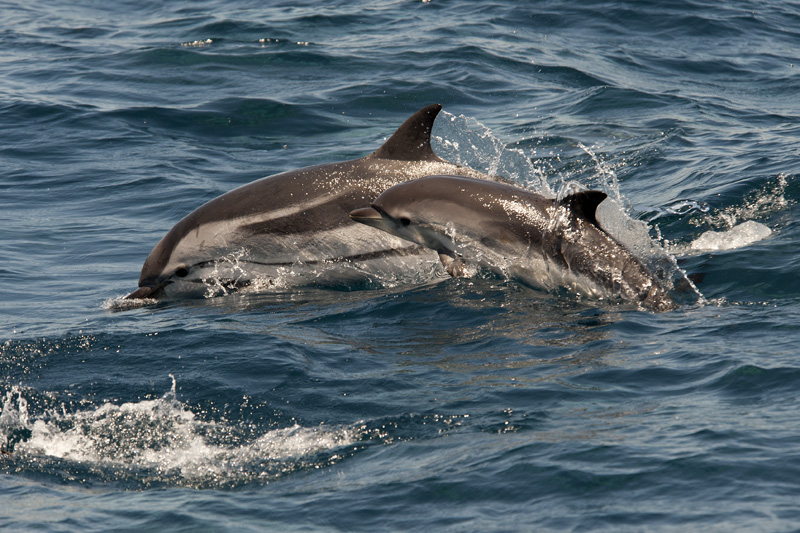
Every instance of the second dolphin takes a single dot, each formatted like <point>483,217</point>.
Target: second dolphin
<point>520,234</point>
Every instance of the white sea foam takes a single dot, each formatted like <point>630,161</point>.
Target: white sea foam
<point>161,440</point>
<point>120,303</point>
<point>741,235</point>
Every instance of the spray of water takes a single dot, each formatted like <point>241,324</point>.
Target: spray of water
<point>160,441</point>
<point>479,148</point>
<point>758,204</point>
<point>734,226</point>
<point>465,141</point>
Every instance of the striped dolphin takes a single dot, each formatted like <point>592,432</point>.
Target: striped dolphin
<point>294,226</point>
<point>519,234</point>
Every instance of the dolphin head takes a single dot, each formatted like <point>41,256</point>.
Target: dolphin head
<point>161,269</point>
<point>402,224</point>
<point>184,258</point>
<point>421,211</point>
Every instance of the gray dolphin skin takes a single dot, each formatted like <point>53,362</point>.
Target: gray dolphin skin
<point>518,234</point>
<point>294,226</point>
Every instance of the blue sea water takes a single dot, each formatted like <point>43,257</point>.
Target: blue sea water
<point>464,405</point>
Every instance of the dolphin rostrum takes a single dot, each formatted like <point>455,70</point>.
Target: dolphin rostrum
<point>544,243</point>
<point>294,226</point>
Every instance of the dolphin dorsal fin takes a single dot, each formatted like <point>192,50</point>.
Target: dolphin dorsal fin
<point>584,204</point>
<point>412,140</point>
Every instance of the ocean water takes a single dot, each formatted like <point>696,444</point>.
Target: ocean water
<point>462,405</point>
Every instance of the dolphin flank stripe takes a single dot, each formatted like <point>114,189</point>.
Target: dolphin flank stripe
<point>299,220</point>
<point>381,254</point>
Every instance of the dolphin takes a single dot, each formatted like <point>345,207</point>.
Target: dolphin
<point>544,243</point>
<point>293,228</point>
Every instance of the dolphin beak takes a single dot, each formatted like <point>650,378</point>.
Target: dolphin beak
<point>141,293</point>
<point>366,215</point>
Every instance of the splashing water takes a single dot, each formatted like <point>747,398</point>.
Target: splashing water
<point>14,420</point>
<point>642,240</point>
<point>160,441</point>
<point>477,147</point>
<point>604,178</point>
<point>228,272</point>
<point>743,234</point>
<point>120,303</point>
<point>734,226</point>
<point>767,200</point>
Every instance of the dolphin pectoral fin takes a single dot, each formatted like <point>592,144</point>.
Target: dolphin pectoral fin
<point>454,265</point>
<point>412,140</point>
<point>584,204</point>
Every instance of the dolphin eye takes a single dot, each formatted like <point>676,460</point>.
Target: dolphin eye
<point>182,272</point>
<point>405,221</point>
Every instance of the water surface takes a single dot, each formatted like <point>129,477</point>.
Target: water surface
<point>460,405</point>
